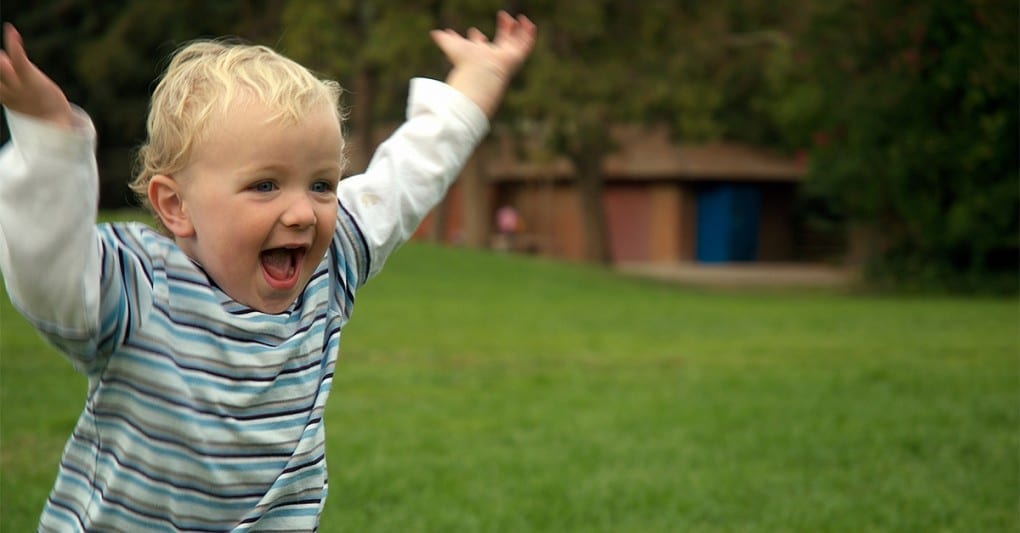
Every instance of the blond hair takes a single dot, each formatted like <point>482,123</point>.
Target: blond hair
<point>205,77</point>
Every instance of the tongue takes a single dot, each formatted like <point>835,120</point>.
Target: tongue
<point>278,263</point>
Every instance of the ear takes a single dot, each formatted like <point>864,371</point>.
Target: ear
<point>166,199</point>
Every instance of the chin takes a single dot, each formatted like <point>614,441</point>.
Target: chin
<point>272,305</point>
<point>276,307</point>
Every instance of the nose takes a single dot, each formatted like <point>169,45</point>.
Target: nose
<point>300,213</point>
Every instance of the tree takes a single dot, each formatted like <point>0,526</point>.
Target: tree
<point>55,32</point>
<point>374,48</point>
<point>694,66</point>
<point>106,56</point>
<point>371,47</point>
<point>913,110</point>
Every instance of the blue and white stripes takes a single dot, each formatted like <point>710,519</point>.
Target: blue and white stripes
<point>202,415</point>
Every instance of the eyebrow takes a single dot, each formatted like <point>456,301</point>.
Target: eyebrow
<point>283,168</point>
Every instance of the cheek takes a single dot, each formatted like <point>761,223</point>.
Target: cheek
<point>325,220</point>
<point>240,233</point>
<point>325,224</point>
<point>214,216</point>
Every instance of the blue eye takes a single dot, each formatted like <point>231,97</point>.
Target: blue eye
<point>322,186</point>
<point>264,186</point>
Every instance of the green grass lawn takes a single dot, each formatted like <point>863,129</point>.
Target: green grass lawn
<point>478,392</point>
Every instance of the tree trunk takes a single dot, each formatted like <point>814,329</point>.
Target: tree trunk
<point>475,208</point>
<point>593,216</point>
<point>437,227</point>
<point>362,121</point>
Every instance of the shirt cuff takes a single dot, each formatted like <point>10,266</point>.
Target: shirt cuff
<point>433,95</point>
<point>35,136</point>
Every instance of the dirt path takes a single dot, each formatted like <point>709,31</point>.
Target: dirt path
<point>736,275</point>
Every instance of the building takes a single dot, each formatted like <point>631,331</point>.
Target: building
<point>663,201</point>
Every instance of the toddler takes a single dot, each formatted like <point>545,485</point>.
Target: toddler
<point>210,342</point>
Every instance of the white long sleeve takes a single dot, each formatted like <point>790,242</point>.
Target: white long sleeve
<point>48,202</point>
<point>193,395</point>
<point>410,172</point>
<point>49,192</point>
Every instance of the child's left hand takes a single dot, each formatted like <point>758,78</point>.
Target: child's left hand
<point>483,69</point>
<point>504,55</point>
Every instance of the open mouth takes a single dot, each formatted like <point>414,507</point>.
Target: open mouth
<point>281,266</point>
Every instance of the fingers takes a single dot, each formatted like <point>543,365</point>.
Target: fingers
<point>476,35</point>
<point>508,29</point>
<point>513,41</point>
<point>504,23</point>
<point>526,26</point>
<point>12,62</point>
<point>518,31</point>
<point>26,89</point>
<point>9,36</point>
<point>15,48</point>
<point>8,77</point>
<point>445,39</point>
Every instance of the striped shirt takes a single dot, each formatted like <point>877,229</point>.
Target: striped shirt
<point>203,414</point>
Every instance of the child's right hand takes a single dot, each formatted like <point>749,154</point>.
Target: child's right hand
<point>26,89</point>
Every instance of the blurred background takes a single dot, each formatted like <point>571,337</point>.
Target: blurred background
<point>482,391</point>
<point>876,135</point>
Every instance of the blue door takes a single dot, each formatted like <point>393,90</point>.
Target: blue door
<point>728,222</point>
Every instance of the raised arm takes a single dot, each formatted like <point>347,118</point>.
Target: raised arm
<point>482,69</point>
<point>411,172</point>
<point>48,195</point>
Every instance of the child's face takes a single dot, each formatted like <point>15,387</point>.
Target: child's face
<point>260,196</point>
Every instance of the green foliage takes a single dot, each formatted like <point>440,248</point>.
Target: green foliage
<point>908,108</point>
<point>107,55</point>
<point>708,70</point>
<point>388,39</point>
<point>914,110</point>
<point>478,392</point>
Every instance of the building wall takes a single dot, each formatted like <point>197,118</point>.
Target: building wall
<point>629,221</point>
<point>653,221</point>
<point>645,221</point>
<point>446,222</point>
<point>550,215</point>
<point>688,220</point>
<point>775,227</point>
<point>650,199</point>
